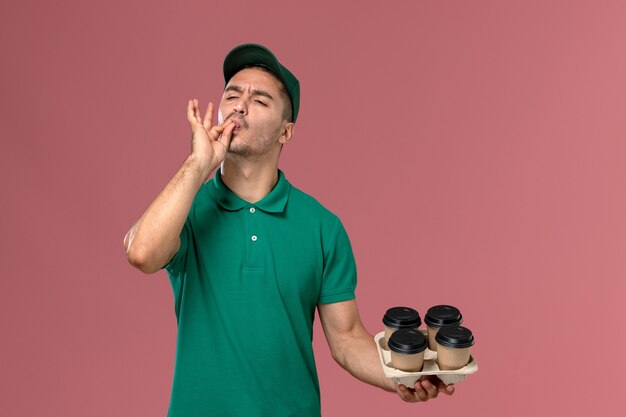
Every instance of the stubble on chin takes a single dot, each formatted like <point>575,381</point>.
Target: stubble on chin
<point>238,148</point>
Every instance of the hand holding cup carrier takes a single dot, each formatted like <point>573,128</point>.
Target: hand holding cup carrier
<point>444,348</point>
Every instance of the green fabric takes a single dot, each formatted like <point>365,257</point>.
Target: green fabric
<point>245,307</point>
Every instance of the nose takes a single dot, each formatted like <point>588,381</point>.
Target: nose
<point>240,106</point>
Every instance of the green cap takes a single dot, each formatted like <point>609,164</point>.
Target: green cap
<point>251,54</point>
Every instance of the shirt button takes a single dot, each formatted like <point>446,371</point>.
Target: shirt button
<point>254,238</point>
<point>252,209</point>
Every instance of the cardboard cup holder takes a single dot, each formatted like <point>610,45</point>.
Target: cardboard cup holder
<point>430,366</point>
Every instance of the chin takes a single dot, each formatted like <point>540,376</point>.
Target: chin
<point>238,150</point>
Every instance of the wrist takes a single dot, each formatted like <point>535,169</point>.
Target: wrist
<point>202,166</point>
<point>389,386</point>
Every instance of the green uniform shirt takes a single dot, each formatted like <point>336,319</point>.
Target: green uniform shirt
<point>246,280</point>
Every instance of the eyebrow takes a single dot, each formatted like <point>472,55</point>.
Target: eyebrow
<point>255,91</point>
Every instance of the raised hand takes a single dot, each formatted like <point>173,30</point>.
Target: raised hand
<point>208,143</point>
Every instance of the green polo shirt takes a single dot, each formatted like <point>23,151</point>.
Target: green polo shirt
<point>246,280</point>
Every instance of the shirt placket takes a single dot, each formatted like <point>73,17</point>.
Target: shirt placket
<point>253,236</point>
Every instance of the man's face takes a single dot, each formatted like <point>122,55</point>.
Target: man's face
<point>254,100</point>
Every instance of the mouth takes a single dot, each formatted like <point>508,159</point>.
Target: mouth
<point>238,122</point>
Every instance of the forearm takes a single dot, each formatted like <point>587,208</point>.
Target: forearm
<point>357,353</point>
<point>154,239</point>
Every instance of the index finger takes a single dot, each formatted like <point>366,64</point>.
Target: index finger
<point>406,394</point>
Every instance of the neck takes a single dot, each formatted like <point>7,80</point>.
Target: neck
<point>250,181</point>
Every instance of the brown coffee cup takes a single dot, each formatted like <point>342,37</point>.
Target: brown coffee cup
<point>454,349</point>
<point>437,317</point>
<point>400,318</point>
<point>407,348</point>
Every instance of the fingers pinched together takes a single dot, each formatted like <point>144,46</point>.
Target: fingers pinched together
<point>207,139</point>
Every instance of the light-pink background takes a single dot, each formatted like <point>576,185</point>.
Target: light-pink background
<point>475,151</point>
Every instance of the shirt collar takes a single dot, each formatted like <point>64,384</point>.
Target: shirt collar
<point>274,202</point>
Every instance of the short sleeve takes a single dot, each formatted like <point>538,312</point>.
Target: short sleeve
<point>339,275</point>
<point>175,266</point>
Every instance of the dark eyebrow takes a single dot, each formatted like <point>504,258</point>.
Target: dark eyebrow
<point>233,88</point>
<point>255,91</point>
<point>262,93</point>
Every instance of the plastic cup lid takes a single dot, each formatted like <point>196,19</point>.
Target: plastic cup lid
<point>457,337</point>
<point>443,315</point>
<point>401,317</point>
<point>407,341</point>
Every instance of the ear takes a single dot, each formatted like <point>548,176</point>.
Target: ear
<point>287,134</point>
